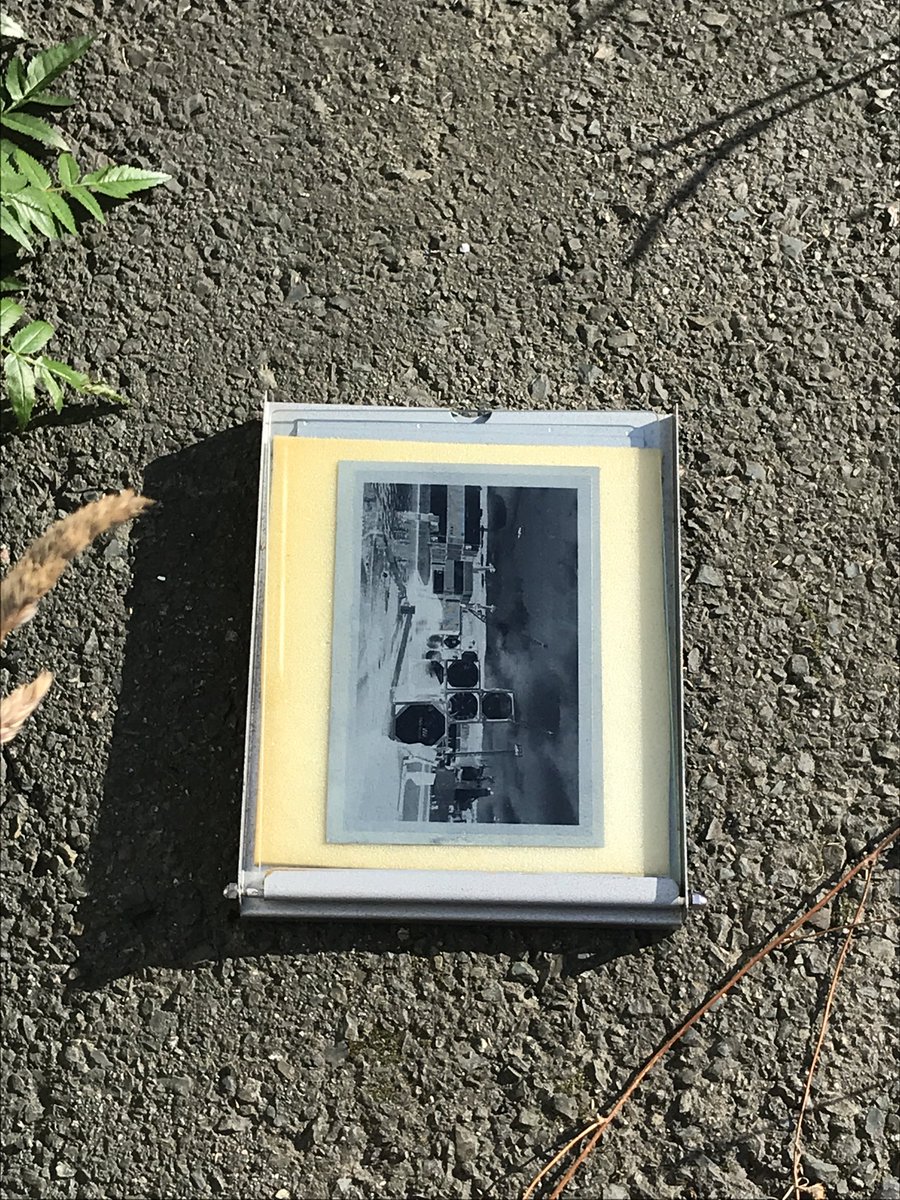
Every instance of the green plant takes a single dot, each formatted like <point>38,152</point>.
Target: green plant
<point>24,368</point>
<point>36,207</point>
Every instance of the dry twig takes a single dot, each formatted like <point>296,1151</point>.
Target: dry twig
<point>595,1130</point>
<point>800,1184</point>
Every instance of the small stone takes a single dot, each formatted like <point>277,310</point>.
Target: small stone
<point>791,247</point>
<point>539,388</point>
<point>565,1106</point>
<point>64,1170</point>
<point>465,248</point>
<point>714,19</point>
<point>623,340</point>
<point>348,1029</point>
<point>806,764</point>
<point>798,666</point>
<point>528,1119</point>
<point>846,1149</point>
<point>738,214</point>
<point>249,1092</point>
<point>465,1143</point>
<point>181,1085</point>
<point>819,1169</point>
<point>233,1124</point>
<point>337,1054</point>
<point>881,948</point>
<point>638,16</point>
<point>875,1119</point>
<point>509,1075</point>
<point>755,471</point>
<point>710,576</point>
<point>523,972</point>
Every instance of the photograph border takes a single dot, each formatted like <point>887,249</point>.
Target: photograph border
<point>352,478</point>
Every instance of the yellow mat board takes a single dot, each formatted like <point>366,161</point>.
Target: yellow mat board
<point>297,644</point>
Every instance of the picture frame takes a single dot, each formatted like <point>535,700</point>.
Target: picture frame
<point>634,869</point>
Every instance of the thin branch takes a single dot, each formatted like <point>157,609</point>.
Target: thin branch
<point>595,1130</point>
<point>826,1016</point>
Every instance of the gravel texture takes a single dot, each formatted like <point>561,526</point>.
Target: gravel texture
<point>472,203</point>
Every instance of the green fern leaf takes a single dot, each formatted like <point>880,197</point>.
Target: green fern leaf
<point>77,379</point>
<point>120,182</point>
<point>61,211</point>
<point>45,67</point>
<point>10,313</point>
<point>51,100</point>
<point>12,181</point>
<point>54,391</point>
<point>13,229</point>
<point>33,127</point>
<point>32,169</point>
<point>15,79</point>
<point>86,200</point>
<point>33,337</point>
<point>67,169</point>
<point>19,387</point>
<point>31,207</point>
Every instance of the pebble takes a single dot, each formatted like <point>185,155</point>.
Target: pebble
<point>539,388</point>
<point>798,666</point>
<point>791,247</point>
<point>819,1169</point>
<point>523,972</point>
<point>710,576</point>
<point>875,1122</point>
<point>465,1143</point>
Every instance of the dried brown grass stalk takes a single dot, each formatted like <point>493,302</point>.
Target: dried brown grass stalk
<point>45,559</point>
<point>17,707</point>
<point>595,1130</point>
<point>34,575</point>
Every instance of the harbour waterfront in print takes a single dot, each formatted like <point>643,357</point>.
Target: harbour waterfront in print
<point>462,694</point>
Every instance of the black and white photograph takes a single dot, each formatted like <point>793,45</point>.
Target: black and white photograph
<point>465,686</point>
